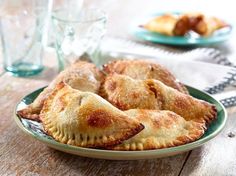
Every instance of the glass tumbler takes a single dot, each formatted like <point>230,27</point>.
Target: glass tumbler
<point>78,33</point>
<point>23,27</point>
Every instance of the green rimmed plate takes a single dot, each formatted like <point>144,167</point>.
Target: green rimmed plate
<point>188,40</point>
<point>34,129</point>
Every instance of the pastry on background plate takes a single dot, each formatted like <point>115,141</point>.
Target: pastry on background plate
<point>181,24</point>
<point>204,25</point>
<point>81,75</point>
<point>85,119</point>
<point>168,24</point>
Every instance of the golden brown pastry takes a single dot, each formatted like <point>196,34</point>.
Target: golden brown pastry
<point>127,93</point>
<point>179,25</point>
<point>144,69</point>
<point>169,24</point>
<point>162,129</point>
<point>204,25</point>
<point>81,75</point>
<point>196,22</point>
<point>213,24</point>
<point>85,119</point>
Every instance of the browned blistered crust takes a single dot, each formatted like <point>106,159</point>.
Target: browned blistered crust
<point>30,113</point>
<point>129,93</point>
<point>94,123</point>
<point>80,75</point>
<point>153,94</point>
<point>126,85</point>
<point>144,69</point>
<point>163,129</point>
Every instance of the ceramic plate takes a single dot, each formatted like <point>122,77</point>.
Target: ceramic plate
<point>187,40</point>
<point>34,129</point>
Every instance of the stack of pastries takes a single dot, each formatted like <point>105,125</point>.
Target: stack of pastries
<point>128,105</point>
<point>180,25</point>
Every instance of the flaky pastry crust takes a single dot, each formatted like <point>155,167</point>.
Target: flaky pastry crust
<point>163,129</point>
<point>85,119</point>
<point>144,69</point>
<point>127,93</point>
<point>81,75</point>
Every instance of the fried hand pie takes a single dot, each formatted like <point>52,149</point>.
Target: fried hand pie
<point>127,93</point>
<point>162,129</point>
<point>85,119</point>
<point>81,75</point>
<point>144,69</point>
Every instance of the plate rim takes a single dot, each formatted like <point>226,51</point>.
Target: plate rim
<point>121,155</point>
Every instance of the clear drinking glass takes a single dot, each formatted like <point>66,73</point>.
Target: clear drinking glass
<point>78,33</point>
<point>23,27</point>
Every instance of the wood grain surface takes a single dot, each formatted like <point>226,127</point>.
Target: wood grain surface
<point>217,157</point>
<point>22,155</point>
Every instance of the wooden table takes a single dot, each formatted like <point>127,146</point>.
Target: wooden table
<point>22,155</point>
